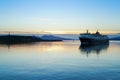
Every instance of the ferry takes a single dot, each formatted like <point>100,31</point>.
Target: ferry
<point>96,38</point>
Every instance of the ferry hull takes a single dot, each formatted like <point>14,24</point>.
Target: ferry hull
<point>93,41</point>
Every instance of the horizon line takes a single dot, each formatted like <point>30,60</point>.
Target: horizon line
<point>56,32</point>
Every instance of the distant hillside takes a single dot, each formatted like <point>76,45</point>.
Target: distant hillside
<point>51,37</point>
<point>115,38</point>
<point>69,36</point>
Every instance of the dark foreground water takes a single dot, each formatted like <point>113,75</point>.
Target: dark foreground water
<point>60,61</point>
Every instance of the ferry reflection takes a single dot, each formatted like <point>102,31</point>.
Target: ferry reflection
<point>93,48</point>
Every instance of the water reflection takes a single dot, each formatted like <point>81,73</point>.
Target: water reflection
<point>9,46</point>
<point>93,48</point>
<point>59,61</point>
<point>55,46</point>
<point>41,46</point>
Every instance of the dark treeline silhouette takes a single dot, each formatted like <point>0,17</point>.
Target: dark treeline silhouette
<point>16,39</point>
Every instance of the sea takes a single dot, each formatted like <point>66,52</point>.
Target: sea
<point>66,60</point>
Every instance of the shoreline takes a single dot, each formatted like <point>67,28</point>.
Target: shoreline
<point>19,39</point>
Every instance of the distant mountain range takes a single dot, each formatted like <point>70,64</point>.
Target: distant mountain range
<point>52,37</point>
<point>115,38</point>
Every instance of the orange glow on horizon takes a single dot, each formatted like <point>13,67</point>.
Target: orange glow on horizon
<point>60,32</point>
<point>82,31</point>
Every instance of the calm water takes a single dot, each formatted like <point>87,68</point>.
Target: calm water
<point>60,61</point>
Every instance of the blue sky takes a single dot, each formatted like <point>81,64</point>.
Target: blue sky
<point>59,15</point>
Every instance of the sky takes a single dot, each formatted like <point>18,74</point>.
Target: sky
<point>60,16</point>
